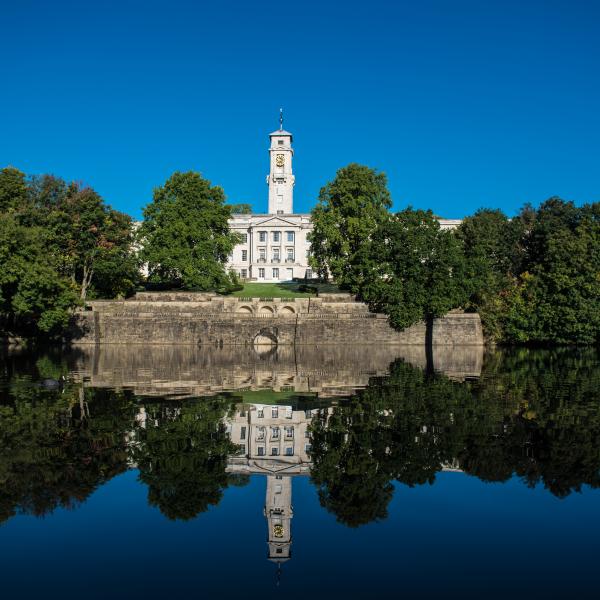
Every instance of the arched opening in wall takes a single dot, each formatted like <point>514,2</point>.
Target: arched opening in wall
<point>265,338</point>
<point>287,310</point>
<point>265,310</point>
<point>244,310</point>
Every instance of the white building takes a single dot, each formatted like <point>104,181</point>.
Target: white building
<point>274,245</point>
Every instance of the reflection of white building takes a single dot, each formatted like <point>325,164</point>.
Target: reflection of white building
<point>272,432</point>
<point>273,440</point>
<point>274,245</point>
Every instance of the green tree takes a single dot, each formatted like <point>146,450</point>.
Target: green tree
<point>348,213</point>
<point>241,209</point>
<point>93,242</point>
<point>489,244</point>
<point>557,299</point>
<point>185,235</point>
<point>35,298</point>
<point>13,189</point>
<point>420,269</point>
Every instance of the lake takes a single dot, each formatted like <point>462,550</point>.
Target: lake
<point>330,472</point>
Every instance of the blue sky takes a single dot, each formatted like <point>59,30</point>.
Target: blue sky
<point>461,103</point>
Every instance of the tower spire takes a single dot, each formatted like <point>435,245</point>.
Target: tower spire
<point>281,119</point>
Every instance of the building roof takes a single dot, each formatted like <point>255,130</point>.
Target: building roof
<point>280,132</point>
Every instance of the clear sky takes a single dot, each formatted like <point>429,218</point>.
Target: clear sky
<point>461,103</point>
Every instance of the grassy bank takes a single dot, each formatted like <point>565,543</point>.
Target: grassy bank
<point>280,290</point>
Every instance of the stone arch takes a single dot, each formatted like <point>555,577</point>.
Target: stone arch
<point>266,310</point>
<point>287,310</point>
<point>245,310</point>
<point>265,337</point>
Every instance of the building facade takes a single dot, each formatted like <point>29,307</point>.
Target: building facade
<point>274,246</point>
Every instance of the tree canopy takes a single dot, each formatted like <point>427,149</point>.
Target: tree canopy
<point>59,243</point>
<point>420,269</point>
<point>185,235</point>
<point>534,278</point>
<point>349,210</point>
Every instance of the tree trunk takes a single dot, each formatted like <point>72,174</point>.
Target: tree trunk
<point>88,273</point>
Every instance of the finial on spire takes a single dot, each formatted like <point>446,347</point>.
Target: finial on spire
<point>281,119</point>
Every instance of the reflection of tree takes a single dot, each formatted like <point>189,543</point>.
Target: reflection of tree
<point>532,414</point>
<point>551,433</point>
<point>182,455</point>
<point>347,457</point>
<point>59,442</point>
<point>53,454</point>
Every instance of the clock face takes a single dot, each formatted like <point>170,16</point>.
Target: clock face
<point>279,160</point>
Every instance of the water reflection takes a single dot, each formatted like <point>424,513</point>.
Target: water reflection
<point>194,422</point>
<point>188,371</point>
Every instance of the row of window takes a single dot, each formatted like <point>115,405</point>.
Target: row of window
<point>289,451</point>
<point>261,450</point>
<point>274,274</point>
<point>275,236</point>
<point>261,431</point>
<point>262,255</point>
<point>260,413</point>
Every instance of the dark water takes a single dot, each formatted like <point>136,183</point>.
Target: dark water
<point>150,473</point>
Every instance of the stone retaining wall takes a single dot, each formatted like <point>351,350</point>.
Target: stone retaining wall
<point>206,319</point>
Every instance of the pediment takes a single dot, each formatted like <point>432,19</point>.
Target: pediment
<point>276,222</point>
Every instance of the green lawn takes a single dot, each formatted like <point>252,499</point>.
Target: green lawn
<point>279,290</point>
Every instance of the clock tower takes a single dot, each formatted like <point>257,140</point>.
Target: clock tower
<point>280,178</point>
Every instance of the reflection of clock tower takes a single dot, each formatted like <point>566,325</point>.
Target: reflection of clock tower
<point>281,179</point>
<point>278,510</point>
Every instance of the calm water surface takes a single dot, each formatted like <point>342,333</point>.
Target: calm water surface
<point>166,472</point>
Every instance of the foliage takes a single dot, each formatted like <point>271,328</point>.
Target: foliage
<point>403,265</point>
<point>532,414</point>
<point>35,298</point>
<point>536,278</point>
<point>93,241</point>
<point>558,298</point>
<point>13,190</point>
<point>185,235</point>
<point>58,445</point>
<point>59,243</point>
<point>349,211</point>
<point>182,455</point>
<point>487,243</point>
<point>241,209</point>
<point>420,274</point>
